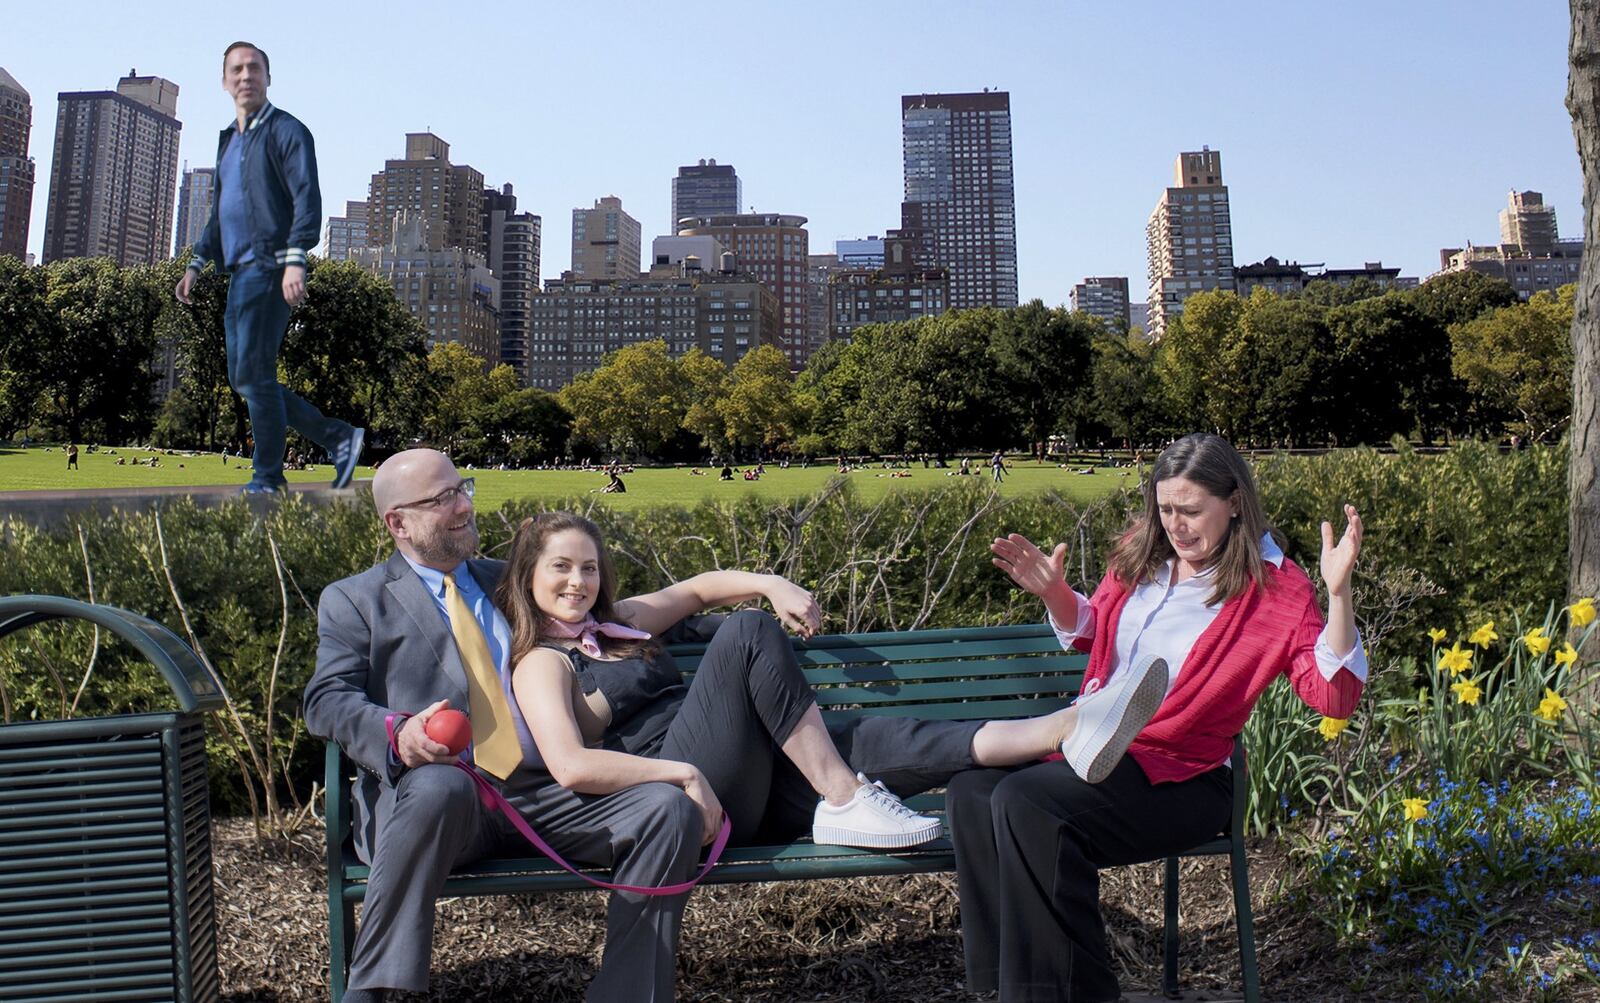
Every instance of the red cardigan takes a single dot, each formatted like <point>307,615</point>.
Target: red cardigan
<point>1256,637</point>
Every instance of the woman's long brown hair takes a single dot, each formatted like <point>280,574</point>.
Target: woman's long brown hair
<point>514,595</point>
<point>1211,462</point>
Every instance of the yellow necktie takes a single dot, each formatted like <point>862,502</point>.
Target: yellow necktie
<point>494,738</point>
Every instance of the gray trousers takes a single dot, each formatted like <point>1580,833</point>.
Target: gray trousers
<point>746,698</point>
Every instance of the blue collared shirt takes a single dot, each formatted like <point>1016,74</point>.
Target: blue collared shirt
<point>496,630</point>
<point>233,215</point>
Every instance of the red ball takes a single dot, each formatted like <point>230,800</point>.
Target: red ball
<point>450,728</point>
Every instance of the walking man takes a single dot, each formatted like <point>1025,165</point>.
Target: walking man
<point>266,212</point>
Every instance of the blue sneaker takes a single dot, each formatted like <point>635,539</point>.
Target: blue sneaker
<point>257,488</point>
<point>346,456</point>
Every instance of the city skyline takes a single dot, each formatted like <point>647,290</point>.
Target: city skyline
<point>1390,138</point>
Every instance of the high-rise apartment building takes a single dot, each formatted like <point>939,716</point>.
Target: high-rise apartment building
<point>864,253</point>
<point>1531,255</point>
<point>513,240</point>
<point>706,252</point>
<point>575,322</point>
<point>447,197</point>
<point>1528,223</point>
<point>820,270</point>
<point>606,241</point>
<point>774,248</point>
<point>1106,297</point>
<point>960,203</point>
<point>114,173</point>
<point>345,233</point>
<point>902,289</point>
<point>1139,317</point>
<point>450,290</point>
<point>16,167</point>
<point>196,196</point>
<point>705,189</point>
<point>1189,238</point>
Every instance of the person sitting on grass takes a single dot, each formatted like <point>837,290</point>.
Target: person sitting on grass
<point>727,473</point>
<point>624,765</point>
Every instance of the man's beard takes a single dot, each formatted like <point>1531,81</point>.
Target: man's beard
<point>438,545</point>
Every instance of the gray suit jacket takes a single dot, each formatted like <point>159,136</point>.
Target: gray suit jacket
<point>382,648</point>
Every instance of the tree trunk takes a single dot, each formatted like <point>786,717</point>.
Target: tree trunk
<point>1583,484</point>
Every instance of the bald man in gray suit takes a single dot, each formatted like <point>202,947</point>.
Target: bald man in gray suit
<point>386,659</point>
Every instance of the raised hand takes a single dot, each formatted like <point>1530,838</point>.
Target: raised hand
<point>1338,561</point>
<point>1030,567</point>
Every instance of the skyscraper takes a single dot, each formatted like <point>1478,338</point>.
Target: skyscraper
<point>512,239</point>
<point>960,203</point>
<point>16,167</point>
<point>114,173</point>
<point>451,291</point>
<point>705,189</point>
<point>775,249</point>
<point>1189,238</point>
<point>1105,297</point>
<point>1528,223</point>
<point>346,233</point>
<point>1531,254</point>
<point>447,197</point>
<point>195,198</point>
<point>606,241</point>
<point>575,322</point>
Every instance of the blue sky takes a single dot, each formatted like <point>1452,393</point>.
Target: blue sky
<point>1349,132</point>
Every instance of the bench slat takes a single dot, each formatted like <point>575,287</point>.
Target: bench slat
<point>945,691</point>
<point>969,710</point>
<point>821,655</point>
<point>861,673</point>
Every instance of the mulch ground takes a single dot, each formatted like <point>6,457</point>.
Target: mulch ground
<point>875,939</point>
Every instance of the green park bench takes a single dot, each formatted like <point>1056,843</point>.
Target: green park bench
<point>962,674</point>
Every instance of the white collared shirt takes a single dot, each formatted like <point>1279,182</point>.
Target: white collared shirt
<point>1165,619</point>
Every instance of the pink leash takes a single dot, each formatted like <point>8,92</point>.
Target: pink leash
<point>492,799</point>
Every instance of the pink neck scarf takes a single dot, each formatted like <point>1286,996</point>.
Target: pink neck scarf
<point>586,629</point>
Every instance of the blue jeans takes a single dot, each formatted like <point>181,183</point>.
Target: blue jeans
<point>254,324</point>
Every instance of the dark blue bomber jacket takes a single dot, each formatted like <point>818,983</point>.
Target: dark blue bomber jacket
<point>282,199</point>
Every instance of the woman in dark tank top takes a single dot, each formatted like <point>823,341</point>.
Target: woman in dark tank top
<point>610,731</point>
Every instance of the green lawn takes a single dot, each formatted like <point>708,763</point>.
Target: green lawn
<point>36,469</point>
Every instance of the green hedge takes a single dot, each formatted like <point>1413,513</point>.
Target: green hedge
<point>1488,528</point>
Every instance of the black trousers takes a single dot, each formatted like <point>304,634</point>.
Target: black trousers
<point>746,698</point>
<point>1029,844</point>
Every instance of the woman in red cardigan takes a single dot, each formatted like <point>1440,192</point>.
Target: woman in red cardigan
<point>1198,614</point>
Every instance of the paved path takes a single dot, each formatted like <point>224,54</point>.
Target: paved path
<point>46,509</point>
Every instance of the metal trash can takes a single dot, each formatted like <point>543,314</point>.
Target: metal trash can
<point>105,835</point>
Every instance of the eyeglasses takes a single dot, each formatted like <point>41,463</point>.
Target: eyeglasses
<point>468,487</point>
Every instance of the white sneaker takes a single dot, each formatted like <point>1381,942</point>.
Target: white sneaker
<point>1110,718</point>
<point>873,818</point>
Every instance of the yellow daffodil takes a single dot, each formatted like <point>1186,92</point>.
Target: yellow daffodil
<point>1537,643</point>
<point>1416,809</point>
<point>1467,691</point>
<point>1484,636</point>
<point>1581,613</point>
<point>1437,634</point>
<point>1457,660</point>
<point>1331,726</point>
<point>1566,655</point>
<point>1552,706</point>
